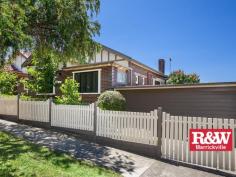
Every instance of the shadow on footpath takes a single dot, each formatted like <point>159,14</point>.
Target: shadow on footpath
<point>80,149</point>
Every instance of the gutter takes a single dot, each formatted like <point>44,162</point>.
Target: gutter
<point>203,85</point>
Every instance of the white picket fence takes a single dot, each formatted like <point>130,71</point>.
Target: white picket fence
<point>175,145</point>
<point>79,117</point>
<point>135,127</point>
<point>8,106</point>
<point>34,110</point>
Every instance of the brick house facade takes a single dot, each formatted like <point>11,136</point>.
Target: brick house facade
<point>109,69</point>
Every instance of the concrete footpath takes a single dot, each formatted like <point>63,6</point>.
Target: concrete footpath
<point>128,164</point>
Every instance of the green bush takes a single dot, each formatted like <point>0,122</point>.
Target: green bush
<point>70,93</point>
<point>8,82</point>
<point>179,77</point>
<point>24,97</point>
<point>111,100</point>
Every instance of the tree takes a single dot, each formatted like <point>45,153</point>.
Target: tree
<point>62,27</point>
<point>42,73</point>
<point>8,82</point>
<point>179,77</point>
<point>70,93</point>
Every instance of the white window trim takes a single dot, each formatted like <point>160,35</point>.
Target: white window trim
<point>143,80</point>
<point>141,75</point>
<point>136,79</point>
<point>137,75</point>
<point>99,80</point>
<point>157,79</point>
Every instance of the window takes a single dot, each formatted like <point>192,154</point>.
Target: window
<point>88,81</point>
<point>137,80</point>
<point>143,81</point>
<point>121,77</point>
<point>157,81</point>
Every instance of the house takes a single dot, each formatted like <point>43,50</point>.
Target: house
<point>108,69</point>
<point>16,65</point>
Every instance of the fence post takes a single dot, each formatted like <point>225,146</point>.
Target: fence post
<point>18,107</point>
<point>50,111</point>
<point>95,120</point>
<point>159,129</point>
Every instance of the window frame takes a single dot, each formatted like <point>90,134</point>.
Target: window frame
<point>125,74</point>
<point>157,79</point>
<point>141,77</point>
<point>99,80</point>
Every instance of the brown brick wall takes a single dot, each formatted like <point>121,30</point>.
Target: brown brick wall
<point>89,98</point>
<point>106,78</point>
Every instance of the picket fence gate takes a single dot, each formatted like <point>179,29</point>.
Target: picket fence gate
<point>79,117</point>
<point>136,127</point>
<point>175,141</point>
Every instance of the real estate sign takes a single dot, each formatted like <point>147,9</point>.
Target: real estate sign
<point>210,140</point>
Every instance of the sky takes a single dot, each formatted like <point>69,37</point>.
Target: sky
<point>199,35</point>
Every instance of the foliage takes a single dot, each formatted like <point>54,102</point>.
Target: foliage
<point>8,82</point>
<point>179,77</point>
<point>65,27</point>
<point>24,97</point>
<point>42,73</point>
<point>19,158</point>
<point>111,100</point>
<point>70,93</point>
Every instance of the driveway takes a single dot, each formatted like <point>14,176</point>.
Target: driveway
<point>128,164</point>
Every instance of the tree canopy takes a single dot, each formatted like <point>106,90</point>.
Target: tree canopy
<point>180,77</point>
<point>42,73</point>
<point>64,27</point>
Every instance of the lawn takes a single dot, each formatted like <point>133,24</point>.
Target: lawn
<point>20,158</point>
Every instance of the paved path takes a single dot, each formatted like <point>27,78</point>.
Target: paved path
<point>161,169</point>
<point>128,164</point>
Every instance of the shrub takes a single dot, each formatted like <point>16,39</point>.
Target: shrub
<point>111,100</point>
<point>24,97</point>
<point>8,82</point>
<point>70,93</point>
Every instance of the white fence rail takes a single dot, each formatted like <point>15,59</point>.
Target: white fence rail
<point>34,110</point>
<point>175,144</point>
<point>135,127</point>
<point>73,116</point>
<point>8,106</point>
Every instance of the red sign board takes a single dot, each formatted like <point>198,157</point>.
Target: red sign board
<point>210,139</point>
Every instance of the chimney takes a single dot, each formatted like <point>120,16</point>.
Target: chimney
<point>162,66</point>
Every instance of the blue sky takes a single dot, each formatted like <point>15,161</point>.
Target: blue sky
<point>199,35</point>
